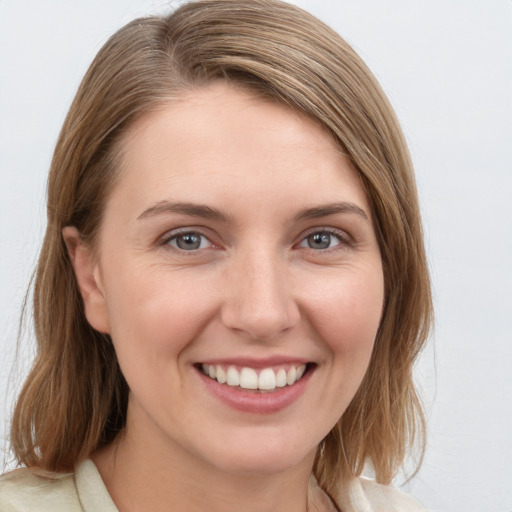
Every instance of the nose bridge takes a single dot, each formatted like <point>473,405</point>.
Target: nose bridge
<point>260,298</point>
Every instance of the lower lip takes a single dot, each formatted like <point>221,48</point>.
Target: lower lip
<point>255,402</point>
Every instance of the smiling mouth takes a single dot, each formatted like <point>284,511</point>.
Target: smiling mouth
<point>265,379</point>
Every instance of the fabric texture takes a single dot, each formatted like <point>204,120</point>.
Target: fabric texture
<point>27,490</point>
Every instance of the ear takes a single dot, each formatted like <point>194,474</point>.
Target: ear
<point>88,277</point>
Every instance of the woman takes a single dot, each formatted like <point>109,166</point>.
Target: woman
<point>232,289</point>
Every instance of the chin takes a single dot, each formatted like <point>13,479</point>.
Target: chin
<point>262,458</point>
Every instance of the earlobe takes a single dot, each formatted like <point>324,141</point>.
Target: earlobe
<point>88,278</point>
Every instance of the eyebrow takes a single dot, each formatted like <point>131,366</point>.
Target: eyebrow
<point>207,212</point>
<point>331,209</point>
<point>191,209</point>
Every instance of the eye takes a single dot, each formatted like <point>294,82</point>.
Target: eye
<point>188,241</point>
<point>322,240</point>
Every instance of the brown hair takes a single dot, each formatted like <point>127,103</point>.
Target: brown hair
<point>74,400</point>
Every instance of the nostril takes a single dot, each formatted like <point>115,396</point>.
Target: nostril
<point>259,299</point>
<point>260,321</point>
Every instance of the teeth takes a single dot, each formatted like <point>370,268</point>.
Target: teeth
<point>267,379</point>
<point>221,375</point>
<point>291,376</point>
<point>281,378</point>
<point>247,378</point>
<point>233,377</point>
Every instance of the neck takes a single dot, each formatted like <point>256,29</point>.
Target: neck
<point>151,475</point>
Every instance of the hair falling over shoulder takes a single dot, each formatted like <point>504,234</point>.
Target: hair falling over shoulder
<point>74,400</point>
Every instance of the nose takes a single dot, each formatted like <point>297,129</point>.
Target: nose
<point>259,299</point>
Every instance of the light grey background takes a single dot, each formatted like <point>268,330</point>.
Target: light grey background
<point>446,66</point>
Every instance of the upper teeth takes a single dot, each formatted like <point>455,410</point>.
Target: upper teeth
<point>248,378</point>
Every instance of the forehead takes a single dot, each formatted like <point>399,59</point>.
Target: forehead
<point>208,113</point>
<point>223,141</point>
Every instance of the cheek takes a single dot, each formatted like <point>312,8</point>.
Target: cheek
<point>344,308</point>
<point>346,312</point>
<point>153,317</point>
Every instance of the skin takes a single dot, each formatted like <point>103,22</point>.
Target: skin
<point>255,288</point>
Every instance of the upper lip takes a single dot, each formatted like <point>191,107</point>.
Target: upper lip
<point>256,362</point>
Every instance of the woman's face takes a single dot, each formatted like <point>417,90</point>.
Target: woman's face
<point>237,243</point>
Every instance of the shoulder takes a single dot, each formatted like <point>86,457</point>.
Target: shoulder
<point>27,490</point>
<point>31,490</point>
<point>365,495</point>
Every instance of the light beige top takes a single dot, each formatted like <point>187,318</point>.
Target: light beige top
<point>84,491</point>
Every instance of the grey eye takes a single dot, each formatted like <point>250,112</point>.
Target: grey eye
<point>320,240</point>
<point>189,241</point>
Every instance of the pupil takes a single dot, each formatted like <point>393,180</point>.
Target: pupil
<point>319,241</point>
<point>188,241</point>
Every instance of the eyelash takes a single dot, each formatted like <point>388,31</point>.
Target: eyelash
<point>344,240</point>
